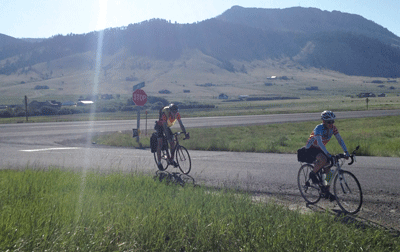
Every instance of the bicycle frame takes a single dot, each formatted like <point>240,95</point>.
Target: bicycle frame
<point>181,154</point>
<point>338,161</point>
<point>176,141</point>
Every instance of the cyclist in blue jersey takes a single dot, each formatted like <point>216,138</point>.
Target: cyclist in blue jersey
<point>319,137</point>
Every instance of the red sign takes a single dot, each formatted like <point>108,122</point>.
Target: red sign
<point>139,97</point>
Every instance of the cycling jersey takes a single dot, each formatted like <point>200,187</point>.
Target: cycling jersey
<point>166,116</point>
<point>321,135</point>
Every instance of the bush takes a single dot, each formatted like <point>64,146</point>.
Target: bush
<point>127,108</point>
<point>48,111</point>
<point>20,114</point>
<point>65,111</point>
<point>5,114</point>
<point>154,99</point>
<point>108,109</point>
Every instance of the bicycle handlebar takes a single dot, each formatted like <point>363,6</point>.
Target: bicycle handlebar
<point>335,158</point>
<point>179,132</point>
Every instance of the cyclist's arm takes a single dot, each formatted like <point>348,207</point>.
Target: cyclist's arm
<point>341,142</point>
<point>181,125</point>
<point>321,145</point>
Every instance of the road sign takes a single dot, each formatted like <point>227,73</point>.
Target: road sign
<point>138,86</point>
<point>139,97</point>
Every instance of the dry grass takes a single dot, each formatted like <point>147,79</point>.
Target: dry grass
<point>74,75</point>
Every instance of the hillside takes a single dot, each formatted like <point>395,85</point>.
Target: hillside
<point>308,21</point>
<point>236,52</point>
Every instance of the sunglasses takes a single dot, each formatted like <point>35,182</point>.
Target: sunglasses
<point>330,122</point>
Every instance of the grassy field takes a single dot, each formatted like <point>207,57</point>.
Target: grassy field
<point>379,136</point>
<point>56,210</point>
<point>224,108</point>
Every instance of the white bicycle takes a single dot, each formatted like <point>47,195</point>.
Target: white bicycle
<point>346,187</point>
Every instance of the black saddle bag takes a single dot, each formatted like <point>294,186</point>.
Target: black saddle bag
<point>153,143</point>
<point>304,156</point>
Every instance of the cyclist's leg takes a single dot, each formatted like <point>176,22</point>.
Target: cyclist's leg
<point>159,146</point>
<point>320,161</point>
<point>171,144</point>
<point>159,130</point>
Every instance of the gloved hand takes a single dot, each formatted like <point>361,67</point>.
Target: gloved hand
<point>187,136</point>
<point>331,158</point>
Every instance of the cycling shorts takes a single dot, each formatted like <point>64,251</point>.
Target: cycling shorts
<point>313,152</point>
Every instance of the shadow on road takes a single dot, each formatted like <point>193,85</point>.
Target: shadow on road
<point>174,178</point>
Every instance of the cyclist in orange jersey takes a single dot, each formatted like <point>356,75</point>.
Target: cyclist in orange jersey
<point>168,116</point>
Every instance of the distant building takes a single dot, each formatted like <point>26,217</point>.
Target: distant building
<point>84,103</point>
<point>107,96</point>
<point>223,96</point>
<point>68,103</point>
<point>164,91</point>
<point>362,95</point>
<point>38,105</point>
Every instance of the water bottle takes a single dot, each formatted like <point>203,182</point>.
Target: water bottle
<point>329,175</point>
<point>324,182</point>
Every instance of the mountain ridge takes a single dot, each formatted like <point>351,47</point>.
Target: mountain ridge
<point>230,45</point>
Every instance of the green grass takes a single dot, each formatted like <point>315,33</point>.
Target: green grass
<point>59,210</point>
<point>378,136</point>
<point>223,108</point>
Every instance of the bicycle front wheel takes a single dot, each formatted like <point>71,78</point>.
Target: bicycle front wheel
<point>309,191</point>
<point>183,159</point>
<point>164,159</point>
<point>348,192</point>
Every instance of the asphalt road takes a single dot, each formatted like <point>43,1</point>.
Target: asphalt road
<point>68,145</point>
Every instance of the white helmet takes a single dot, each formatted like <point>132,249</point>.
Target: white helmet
<point>327,115</point>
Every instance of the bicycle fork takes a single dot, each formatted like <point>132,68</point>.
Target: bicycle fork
<point>343,184</point>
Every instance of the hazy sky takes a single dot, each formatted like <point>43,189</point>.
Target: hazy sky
<point>45,18</point>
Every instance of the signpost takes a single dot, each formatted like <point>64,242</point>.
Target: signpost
<point>26,107</point>
<point>138,86</point>
<point>139,97</point>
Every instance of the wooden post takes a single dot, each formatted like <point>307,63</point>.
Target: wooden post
<point>146,124</point>
<point>26,107</point>
<point>138,124</point>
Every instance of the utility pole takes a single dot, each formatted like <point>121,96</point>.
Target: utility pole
<point>26,107</point>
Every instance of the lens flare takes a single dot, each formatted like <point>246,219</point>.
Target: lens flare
<point>101,22</point>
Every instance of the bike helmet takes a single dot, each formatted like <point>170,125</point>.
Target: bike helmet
<point>173,108</point>
<point>327,115</point>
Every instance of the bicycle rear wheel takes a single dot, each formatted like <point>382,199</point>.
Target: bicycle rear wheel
<point>183,159</point>
<point>348,192</point>
<point>164,159</point>
<point>309,191</point>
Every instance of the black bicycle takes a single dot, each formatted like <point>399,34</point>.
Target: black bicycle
<point>182,157</point>
<point>346,187</point>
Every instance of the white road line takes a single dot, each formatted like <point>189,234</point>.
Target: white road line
<point>50,149</point>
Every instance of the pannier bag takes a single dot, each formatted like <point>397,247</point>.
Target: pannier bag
<point>303,156</point>
<point>153,143</point>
